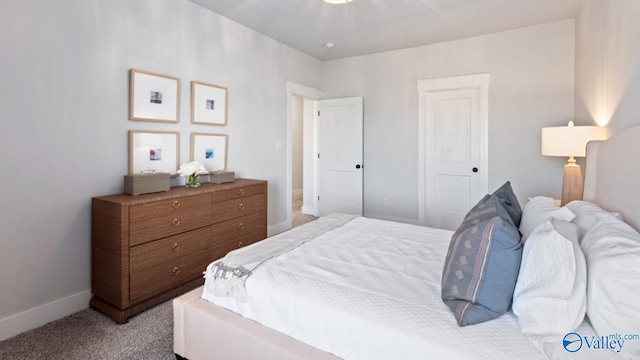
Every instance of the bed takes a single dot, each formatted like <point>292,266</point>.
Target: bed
<point>356,288</point>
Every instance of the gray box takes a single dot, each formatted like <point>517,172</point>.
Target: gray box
<point>222,177</point>
<point>140,184</point>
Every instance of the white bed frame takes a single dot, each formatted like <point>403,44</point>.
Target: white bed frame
<point>203,330</point>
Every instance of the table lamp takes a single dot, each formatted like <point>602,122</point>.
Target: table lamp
<point>570,141</point>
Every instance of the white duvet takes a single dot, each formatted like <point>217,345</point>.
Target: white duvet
<point>370,289</point>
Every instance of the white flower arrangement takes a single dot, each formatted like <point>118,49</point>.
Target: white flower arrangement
<point>192,168</point>
<point>191,171</point>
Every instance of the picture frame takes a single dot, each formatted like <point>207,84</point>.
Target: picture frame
<point>153,97</point>
<point>210,150</point>
<point>156,151</point>
<point>208,104</point>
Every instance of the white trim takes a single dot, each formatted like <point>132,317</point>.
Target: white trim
<point>38,316</point>
<point>308,93</point>
<point>481,81</point>
<point>278,228</point>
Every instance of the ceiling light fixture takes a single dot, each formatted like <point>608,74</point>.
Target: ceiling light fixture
<point>337,1</point>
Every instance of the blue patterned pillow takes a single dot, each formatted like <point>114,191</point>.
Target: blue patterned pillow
<point>510,201</point>
<point>482,264</point>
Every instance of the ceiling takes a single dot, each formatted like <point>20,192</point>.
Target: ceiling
<point>370,26</point>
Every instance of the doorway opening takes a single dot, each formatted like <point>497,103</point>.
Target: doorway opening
<point>301,127</point>
<point>302,145</point>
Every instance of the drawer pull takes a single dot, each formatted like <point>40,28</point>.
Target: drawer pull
<point>241,206</point>
<point>241,192</point>
<point>176,204</point>
<point>176,222</point>
<point>241,226</point>
<point>176,246</point>
<point>240,244</point>
<point>175,271</point>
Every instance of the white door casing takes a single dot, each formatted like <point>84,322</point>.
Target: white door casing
<point>453,148</point>
<point>340,156</point>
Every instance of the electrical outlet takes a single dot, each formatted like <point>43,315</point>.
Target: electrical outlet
<point>385,201</point>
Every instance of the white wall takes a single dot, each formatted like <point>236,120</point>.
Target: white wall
<point>532,86</point>
<point>64,122</point>
<point>608,63</point>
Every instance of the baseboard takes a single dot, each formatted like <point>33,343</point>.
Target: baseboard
<point>278,228</point>
<point>36,317</point>
<point>308,210</point>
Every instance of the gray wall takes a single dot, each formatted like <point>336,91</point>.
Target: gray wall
<point>608,63</point>
<point>64,118</point>
<point>532,86</point>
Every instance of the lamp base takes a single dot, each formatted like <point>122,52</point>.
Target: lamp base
<point>572,186</point>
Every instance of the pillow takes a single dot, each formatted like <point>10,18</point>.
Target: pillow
<point>482,264</point>
<point>539,209</point>
<point>586,215</point>
<point>612,250</point>
<point>551,292</point>
<point>508,197</point>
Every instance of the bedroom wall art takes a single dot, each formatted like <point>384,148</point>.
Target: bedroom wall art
<point>208,104</point>
<point>153,150</point>
<point>210,150</point>
<point>153,97</point>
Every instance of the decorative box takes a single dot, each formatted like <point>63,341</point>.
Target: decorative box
<point>146,183</point>
<point>222,177</point>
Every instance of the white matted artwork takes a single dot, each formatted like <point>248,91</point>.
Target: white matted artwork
<point>153,151</point>
<point>153,97</point>
<point>210,150</point>
<point>208,104</point>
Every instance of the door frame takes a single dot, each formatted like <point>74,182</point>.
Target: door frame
<point>304,92</point>
<point>480,81</point>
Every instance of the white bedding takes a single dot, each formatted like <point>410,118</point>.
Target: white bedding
<point>370,289</point>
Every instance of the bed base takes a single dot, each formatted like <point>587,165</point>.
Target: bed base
<point>203,330</point>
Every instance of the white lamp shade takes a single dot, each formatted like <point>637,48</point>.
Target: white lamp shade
<point>570,140</point>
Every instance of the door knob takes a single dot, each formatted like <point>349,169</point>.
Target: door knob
<point>475,169</point>
<point>358,166</point>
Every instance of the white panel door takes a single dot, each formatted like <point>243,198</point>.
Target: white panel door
<point>340,147</point>
<point>455,162</point>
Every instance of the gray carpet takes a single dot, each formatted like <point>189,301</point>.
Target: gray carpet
<point>90,334</point>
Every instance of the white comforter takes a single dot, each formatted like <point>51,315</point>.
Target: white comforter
<point>370,289</point>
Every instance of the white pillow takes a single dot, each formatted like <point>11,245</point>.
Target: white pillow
<point>550,294</point>
<point>539,209</point>
<point>612,250</point>
<point>586,215</point>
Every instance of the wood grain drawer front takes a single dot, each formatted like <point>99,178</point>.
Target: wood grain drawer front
<point>221,248</point>
<point>232,209</point>
<point>164,264</point>
<point>229,235</point>
<point>239,192</point>
<point>164,218</point>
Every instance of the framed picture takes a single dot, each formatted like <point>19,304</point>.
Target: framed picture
<point>210,150</point>
<point>208,104</point>
<point>153,150</point>
<point>153,97</point>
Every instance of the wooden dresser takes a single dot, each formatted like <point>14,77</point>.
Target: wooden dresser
<point>149,248</point>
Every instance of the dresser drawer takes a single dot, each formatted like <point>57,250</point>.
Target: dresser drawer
<point>240,192</point>
<point>164,264</point>
<point>236,233</point>
<point>164,218</point>
<point>231,209</point>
